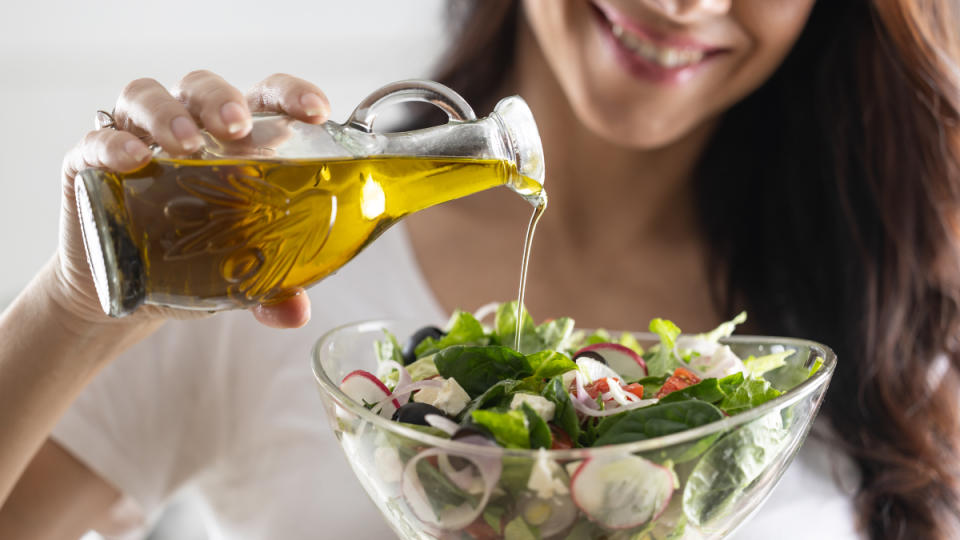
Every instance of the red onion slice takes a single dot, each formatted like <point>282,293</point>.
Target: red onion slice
<point>442,423</point>
<point>612,411</point>
<point>414,493</point>
<point>403,378</point>
<point>403,394</point>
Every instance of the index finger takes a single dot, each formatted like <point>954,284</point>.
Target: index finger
<point>290,95</point>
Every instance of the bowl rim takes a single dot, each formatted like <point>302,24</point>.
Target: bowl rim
<point>802,390</point>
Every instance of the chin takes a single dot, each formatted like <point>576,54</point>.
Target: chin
<point>644,128</point>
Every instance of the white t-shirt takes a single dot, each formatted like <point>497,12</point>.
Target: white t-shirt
<point>228,408</point>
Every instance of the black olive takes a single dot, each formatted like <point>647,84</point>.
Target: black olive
<point>426,332</point>
<point>590,354</point>
<point>416,413</point>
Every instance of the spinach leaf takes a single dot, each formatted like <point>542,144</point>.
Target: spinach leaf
<point>546,364</point>
<point>478,368</point>
<point>565,415</point>
<point>508,428</point>
<point>540,436</point>
<point>465,329</point>
<point>491,397</point>
<point>655,421</point>
<point>730,466</point>
<point>506,328</point>
<point>750,393</point>
<point>706,390</point>
<point>663,357</point>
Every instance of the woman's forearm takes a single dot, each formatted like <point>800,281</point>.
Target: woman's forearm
<point>47,356</point>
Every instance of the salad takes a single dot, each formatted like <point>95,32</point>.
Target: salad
<point>564,389</point>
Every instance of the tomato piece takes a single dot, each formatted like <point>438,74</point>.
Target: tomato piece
<point>680,379</point>
<point>561,439</point>
<point>635,389</point>
<point>481,530</point>
<point>598,387</point>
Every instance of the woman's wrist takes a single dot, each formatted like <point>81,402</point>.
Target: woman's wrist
<point>77,323</point>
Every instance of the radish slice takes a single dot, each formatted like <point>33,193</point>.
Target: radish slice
<point>450,518</point>
<point>594,369</point>
<point>620,358</point>
<point>364,387</point>
<point>621,492</point>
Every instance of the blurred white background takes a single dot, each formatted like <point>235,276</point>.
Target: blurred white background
<point>62,60</point>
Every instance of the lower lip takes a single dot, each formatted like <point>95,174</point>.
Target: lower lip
<point>644,69</point>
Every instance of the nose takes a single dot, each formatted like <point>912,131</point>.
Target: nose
<point>689,11</point>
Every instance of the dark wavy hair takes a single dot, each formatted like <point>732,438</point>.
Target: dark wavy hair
<point>832,197</point>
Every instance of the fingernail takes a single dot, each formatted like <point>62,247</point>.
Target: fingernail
<point>234,117</point>
<point>187,133</point>
<point>136,150</point>
<point>313,105</point>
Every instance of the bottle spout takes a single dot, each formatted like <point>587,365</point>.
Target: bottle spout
<point>523,141</point>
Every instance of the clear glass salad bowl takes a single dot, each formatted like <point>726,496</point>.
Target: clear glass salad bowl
<point>696,484</point>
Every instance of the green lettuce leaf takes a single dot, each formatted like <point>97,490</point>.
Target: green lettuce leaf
<point>663,357</point>
<point>555,334</point>
<point>629,341</point>
<point>389,349</point>
<point>424,368</point>
<point>465,329</point>
<point>725,330</point>
<point>758,365</point>
<point>478,368</point>
<point>506,328</point>
<point>508,428</point>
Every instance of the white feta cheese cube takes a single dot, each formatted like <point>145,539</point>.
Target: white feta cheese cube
<point>545,478</point>
<point>451,398</point>
<point>541,405</point>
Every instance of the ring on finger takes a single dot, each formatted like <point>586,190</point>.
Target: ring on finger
<point>104,120</point>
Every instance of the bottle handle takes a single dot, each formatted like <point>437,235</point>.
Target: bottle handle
<point>442,97</point>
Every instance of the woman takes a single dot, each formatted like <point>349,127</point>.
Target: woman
<point>800,160</point>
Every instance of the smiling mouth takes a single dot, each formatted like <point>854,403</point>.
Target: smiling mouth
<point>668,57</point>
<point>666,52</point>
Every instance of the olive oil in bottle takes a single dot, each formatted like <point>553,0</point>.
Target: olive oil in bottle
<point>217,234</point>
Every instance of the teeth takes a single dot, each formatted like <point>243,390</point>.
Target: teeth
<point>667,57</point>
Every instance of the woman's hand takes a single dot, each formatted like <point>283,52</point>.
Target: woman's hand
<point>147,111</point>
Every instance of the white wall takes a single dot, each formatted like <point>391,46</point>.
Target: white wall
<point>61,60</point>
